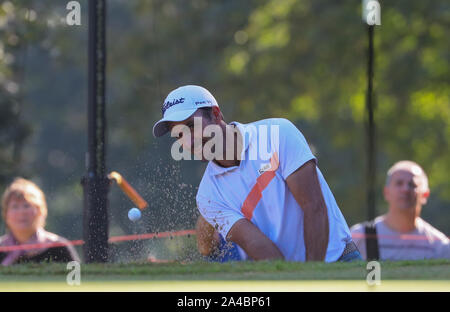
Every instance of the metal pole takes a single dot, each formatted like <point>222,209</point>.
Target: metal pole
<point>371,157</point>
<point>96,184</point>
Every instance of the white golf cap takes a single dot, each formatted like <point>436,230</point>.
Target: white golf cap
<point>180,104</point>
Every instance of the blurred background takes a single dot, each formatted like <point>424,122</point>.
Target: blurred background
<point>303,60</point>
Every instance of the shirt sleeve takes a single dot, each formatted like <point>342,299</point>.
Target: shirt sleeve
<point>443,248</point>
<point>294,151</point>
<point>219,215</point>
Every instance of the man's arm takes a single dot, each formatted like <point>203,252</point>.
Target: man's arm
<point>304,185</point>
<point>207,237</point>
<point>257,245</point>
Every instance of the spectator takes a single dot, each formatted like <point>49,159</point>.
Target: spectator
<point>401,234</point>
<point>213,246</point>
<point>24,211</point>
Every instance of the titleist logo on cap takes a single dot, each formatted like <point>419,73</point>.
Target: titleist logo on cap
<point>169,104</point>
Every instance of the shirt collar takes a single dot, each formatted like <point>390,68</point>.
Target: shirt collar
<point>215,169</point>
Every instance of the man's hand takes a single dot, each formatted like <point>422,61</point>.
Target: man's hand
<point>257,245</point>
<point>304,185</point>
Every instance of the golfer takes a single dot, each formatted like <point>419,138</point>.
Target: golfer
<point>262,188</point>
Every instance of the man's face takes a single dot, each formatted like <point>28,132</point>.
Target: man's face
<point>405,191</point>
<point>194,141</point>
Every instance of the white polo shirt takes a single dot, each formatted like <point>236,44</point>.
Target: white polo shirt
<point>257,190</point>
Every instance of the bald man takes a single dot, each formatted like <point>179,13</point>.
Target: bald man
<point>401,234</point>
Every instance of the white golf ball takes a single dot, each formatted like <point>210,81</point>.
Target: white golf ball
<point>134,214</point>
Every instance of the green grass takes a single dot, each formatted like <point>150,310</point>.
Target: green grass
<point>263,270</point>
<point>277,276</point>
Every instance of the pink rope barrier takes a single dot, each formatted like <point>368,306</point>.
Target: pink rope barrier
<point>39,246</point>
<point>117,239</point>
<point>114,239</point>
<point>395,237</point>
